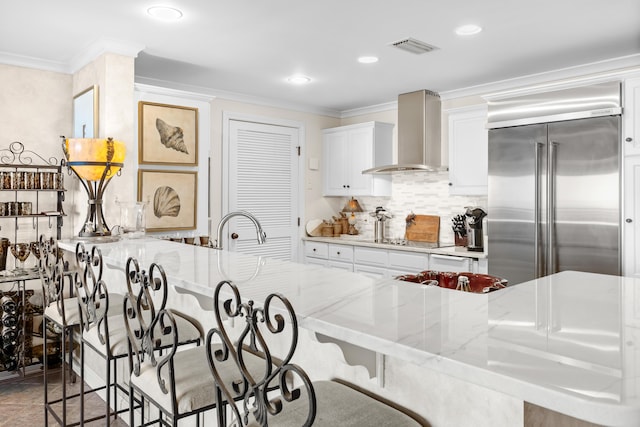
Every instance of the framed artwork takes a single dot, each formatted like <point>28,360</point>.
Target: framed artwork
<point>167,134</point>
<point>85,113</point>
<point>171,198</point>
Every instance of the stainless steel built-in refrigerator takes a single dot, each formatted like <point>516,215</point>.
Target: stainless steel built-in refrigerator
<point>554,183</point>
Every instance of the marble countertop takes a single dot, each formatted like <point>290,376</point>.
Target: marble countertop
<point>569,342</point>
<point>410,247</point>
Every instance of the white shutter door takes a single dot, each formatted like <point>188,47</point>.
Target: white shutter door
<point>263,180</point>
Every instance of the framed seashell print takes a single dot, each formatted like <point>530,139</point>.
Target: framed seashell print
<point>167,134</point>
<point>171,198</point>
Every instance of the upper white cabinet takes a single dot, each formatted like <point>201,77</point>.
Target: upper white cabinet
<point>631,165</point>
<point>468,148</point>
<point>631,116</point>
<point>348,150</point>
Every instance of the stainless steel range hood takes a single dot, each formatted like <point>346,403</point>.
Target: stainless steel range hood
<point>418,134</point>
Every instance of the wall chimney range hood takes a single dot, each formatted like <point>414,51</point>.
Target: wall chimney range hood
<point>419,116</point>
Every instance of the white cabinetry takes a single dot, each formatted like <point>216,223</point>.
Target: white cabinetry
<point>468,150</point>
<point>316,253</point>
<point>371,261</point>
<point>341,256</point>
<point>631,165</point>
<point>450,263</point>
<point>385,263</point>
<point>348,150</point>
<point>407,263</point>
<point>631,117</point>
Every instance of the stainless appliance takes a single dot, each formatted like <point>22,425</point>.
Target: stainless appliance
<point>381,215</point>
<point>554,183</point>
<point>473,223</point>
<point>419,115</point>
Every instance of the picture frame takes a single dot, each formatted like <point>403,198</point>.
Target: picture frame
<point>171,196</point>
<point>167,134</point>
<point>85,113</point>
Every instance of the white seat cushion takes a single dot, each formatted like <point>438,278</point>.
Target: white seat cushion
<point>195,386</point>
<point>341,405</point>
<point>118,338</point>
<point>72,312</point>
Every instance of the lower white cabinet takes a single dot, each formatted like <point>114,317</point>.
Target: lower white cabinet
<point>339,265</point>
<point>385,263</point>
<point>449,263</point>
<point>371,271</point>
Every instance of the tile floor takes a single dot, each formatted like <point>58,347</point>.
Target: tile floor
<point>22,401</point>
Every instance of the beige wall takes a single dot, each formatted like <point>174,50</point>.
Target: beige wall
<point>35,109</point>
<point>114,76</point>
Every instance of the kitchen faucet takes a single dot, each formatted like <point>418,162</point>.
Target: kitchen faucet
<point>262,236</point>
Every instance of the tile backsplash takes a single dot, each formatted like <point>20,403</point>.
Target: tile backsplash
<point>421,193</point>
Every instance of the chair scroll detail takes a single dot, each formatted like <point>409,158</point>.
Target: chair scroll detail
<point>253,389</point>
<point>139,300</point>
<point>92,291</point>
<point>154,334</point>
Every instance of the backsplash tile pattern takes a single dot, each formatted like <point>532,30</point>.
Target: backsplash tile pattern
<point>420,193</point>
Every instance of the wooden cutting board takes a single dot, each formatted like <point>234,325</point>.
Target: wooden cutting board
<point>424,228</point>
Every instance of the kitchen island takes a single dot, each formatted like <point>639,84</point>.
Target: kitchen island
<point>569,343</point>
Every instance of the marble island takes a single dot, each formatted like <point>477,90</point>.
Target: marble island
<point>569,343</point>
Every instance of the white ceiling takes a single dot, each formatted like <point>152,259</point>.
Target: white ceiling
<point>249,47</point>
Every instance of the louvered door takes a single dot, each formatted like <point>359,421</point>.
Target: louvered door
<point>263,180</point>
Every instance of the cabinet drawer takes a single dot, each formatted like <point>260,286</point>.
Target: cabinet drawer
<point>408,262</point>
<point>449,263</point>
<point>341,253</point>
<point>375,272</point>
<point>316,249</point>
<point>338,265</point>
<point>377,257</point>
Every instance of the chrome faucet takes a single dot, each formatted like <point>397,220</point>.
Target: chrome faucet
<point>262,236</point>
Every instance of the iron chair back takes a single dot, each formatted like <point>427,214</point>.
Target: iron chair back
<point>272,319</point>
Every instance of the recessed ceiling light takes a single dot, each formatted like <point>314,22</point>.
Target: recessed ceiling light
<point>165,13</point>
<point>298,79</point>
<point>367,59</point>
<point>468,30</point>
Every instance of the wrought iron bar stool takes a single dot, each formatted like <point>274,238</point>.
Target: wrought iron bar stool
<point>320,403</point>
<point>62,314</point>
<point>102,328</point>
<point>178,383</point>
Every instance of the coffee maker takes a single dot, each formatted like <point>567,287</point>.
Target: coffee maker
<point>473,223</point>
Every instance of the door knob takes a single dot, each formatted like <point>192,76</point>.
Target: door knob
<point>234,236</point>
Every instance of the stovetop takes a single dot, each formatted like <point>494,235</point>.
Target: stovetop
<point>412,243</point>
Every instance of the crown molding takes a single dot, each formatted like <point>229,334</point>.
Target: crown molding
<point>393,105</point>
<point>607,69</point>
<point>89,54</point>
<point>100,47</point>
<point>159,90</point>
<point>36,63</point>
<point>233,96</point>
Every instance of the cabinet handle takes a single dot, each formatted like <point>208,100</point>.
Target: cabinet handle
<point>314,249</point>
<point>629,139</point>
<point>628,220</point>
<point>348,186</point>
<point>338,253</point>
<point>450,184</point>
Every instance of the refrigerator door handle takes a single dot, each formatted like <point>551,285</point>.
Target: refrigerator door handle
<point>536,211</point>
<point>551,217</point>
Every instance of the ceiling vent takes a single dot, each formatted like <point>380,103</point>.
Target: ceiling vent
<point>414,46</point>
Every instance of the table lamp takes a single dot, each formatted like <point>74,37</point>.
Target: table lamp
<point>94,162</point>
<point>352,206</point>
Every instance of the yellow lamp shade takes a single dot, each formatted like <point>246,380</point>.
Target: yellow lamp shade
<point>80,150</point>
